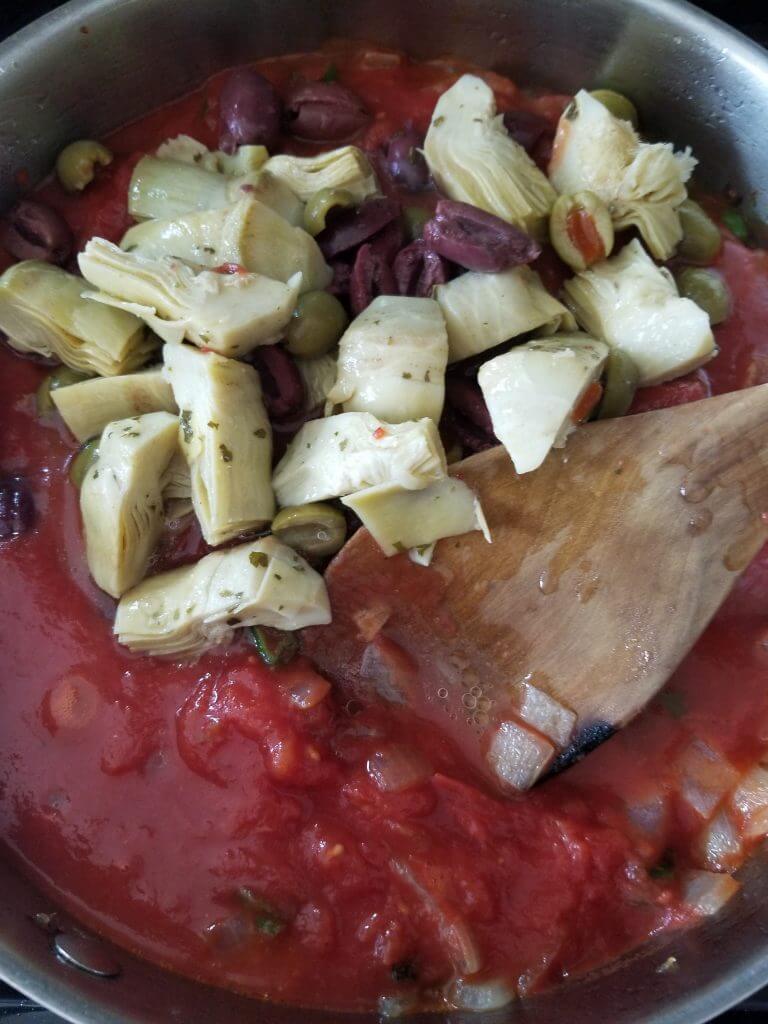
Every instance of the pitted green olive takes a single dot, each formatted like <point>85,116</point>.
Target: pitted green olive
<point>701,236</point>
<point>83,461</point>
<point>316,530</point>
<point>617,104</point>
<point>320,205</point>
<point>708,290</point>
<point>581,229</point>
<point>621,379</point>
<point>77,162</point>
<point>318,321</point>
<point>60,378</point>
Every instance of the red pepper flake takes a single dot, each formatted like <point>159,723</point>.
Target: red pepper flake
<point>583,233</point>
<point>230,268</point>
<point>378,433</point>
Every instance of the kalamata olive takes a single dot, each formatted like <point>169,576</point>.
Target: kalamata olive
<point>477,240</point>
<point>34,231</point>
<point>324,112</point>
<point>418,269</point>
<point>371,276</point>
<point>281,383</point>
<point>465,396</point>
<point>388,242</point>
<point>527,128</point>
<point>249,111</point>
<point>351,227</point>
<point>17,509</point>
<point>405,162</point>
<point>471,437</point>
<point>342,273</point>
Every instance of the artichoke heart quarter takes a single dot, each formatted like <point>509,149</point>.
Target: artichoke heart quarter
<point>230,313</point>
<point>42,310</point>
<point>226,439</point>
<point>345,168</point>
<point>121,499</point>
<point>473,159</point>
<point>88,406</point>
<point>186,611</point>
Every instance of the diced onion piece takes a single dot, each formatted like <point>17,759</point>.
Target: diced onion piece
<point>544,713</point>
<point>319,376</point>
<point>750,800</point>
<point>532,390</point>
<point>248,234</point>
<point>707,892</point>
<point>720,846</point>
<point>518,756</point>
<point>473,159</point>
<point>705,777</point>
<point>634,305</point>
<point>121,498</point>
<point>643,184</point>
<point>189,151</point>
<point>229,313</point>
<point>345,168</point>
<point>392,361</point>
<point>42,310</point>
<point>399,519</point>
<point>186,611</point>
<point>482,310</point>
<point>336,456</point>
<point>395,768</point>
<point>477,996</point>
<point>226,439</point>
<point>88,406</point>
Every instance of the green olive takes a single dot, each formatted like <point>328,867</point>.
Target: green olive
<point>414,218</point>
<point>316,530</point>
<point>318,321</point>
<point>82,462</point>
<point>621,380</point>
<point>708,290</point>
<point>618,105</point>
<point>320,205</point>
<point>60,378</point>
<point>77,162</point>
<point>701,236</point>
<point>274,646</point>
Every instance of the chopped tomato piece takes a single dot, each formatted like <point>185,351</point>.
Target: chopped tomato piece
<point>587,403</point>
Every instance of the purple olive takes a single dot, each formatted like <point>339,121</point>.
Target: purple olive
<point>405,163</point>
<point>324,112</point>
<point>470,436</point>
<point>281,383</point>
<point>342,273</point>
<point>527,128</point>
<point>465,397</point>
<point>250,111</point>
<point>33,231</point>
<point>477,240</point>
<point>418,269</point>
<point>388,242</point>
<point>17,509</point>
<point>371,276</point>
<point>350,227</point>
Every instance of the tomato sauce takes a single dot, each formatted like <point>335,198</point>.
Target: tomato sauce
<point>208,818</point>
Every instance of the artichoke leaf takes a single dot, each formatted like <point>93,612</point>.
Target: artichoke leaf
<point>345,168</point>
<point>392,361</point>
<point>474,160</point>
<point>226,439</point>
<point>228,313</point>
<point>121,498</point>
<point>188,610</point>
<point>42,310</point>
<point>634,305</point>
<point>642,183</point>
<point>187,150</point>
<point>532,391</point>
<point>482,310</point>
<point>399,520</point>
<point>335,456</point>
<point>177,488</point>
<point>319,376</point>
<point>88,406</point>
<point>248,234</point>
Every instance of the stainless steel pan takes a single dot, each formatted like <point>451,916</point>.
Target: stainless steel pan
<point>695,81</point>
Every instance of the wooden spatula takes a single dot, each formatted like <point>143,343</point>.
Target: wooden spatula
<point>606,565</point>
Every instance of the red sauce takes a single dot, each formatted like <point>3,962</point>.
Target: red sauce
<point>144,794</point>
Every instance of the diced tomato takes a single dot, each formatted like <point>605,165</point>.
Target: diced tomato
<point>587,403</point>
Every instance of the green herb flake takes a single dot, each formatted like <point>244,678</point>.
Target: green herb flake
<point>343,444</point>
<point>226,454</point>
<point>407,376</point>
<point>213,424</point>
<point>185,419</point>
<point>399,546</point>
<point>278,576</point>
<point>736,224</point>
<point>258,559</point>
<point>261,432</point>
<point>437,122</point>
<point>331,73</point>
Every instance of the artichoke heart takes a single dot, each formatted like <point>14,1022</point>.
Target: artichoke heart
<point>186,611</point>
<point>226,439</point>
<point>634,305</point>
<point>642,183</point>
<point>319,376</point>
<point>482,310</point>
<point>228,313</point>
<point>335,456</point>
<point>166,188</point>
<point>88,406</point>
<point>248,234</point>
<point>400,520</point>
<point>533,390</point>
<point>42,310</point>
<point>473,159</point>
<point>187,150</point>
<point>121,498</point>
<point>346,168</point>
<point>392,361</point>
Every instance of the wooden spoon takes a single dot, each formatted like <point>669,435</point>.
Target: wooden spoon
<point>606,565</point>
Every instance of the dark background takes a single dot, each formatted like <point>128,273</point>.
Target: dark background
<point>751,16</point>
